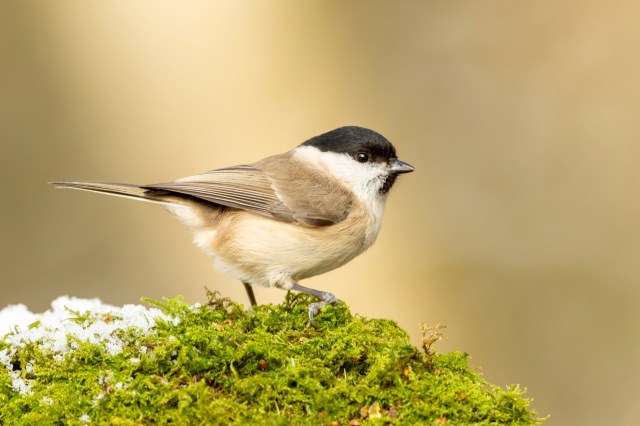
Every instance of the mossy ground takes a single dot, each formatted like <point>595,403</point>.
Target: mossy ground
<point>221,365</point>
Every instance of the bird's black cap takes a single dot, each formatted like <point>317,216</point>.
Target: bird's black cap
<point>354,139</point>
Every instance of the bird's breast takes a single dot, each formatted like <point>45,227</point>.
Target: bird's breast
<point>256,249</point>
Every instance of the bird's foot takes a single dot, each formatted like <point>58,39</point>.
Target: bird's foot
<point>325,297</point>
<point>314,308</point>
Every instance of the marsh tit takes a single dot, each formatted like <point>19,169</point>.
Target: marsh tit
<point>287,217</point>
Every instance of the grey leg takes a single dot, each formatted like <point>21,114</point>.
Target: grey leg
<point>249,290</point>
<point>325,297</point>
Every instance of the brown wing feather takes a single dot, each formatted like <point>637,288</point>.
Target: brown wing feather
<point>262,189</point>
<point>313,198</point>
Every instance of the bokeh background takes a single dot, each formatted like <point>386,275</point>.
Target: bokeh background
<point>519,230</point>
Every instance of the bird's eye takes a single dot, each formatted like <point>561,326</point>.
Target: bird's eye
<point>362,157</point>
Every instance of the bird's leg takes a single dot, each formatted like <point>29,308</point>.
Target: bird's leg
<point>249,290</point>
<point>325,297</point>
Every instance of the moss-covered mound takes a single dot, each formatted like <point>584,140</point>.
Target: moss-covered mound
<point>217,364</point>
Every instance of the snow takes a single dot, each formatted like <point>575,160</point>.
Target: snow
<point>70,320</point>
<point>19,326</point>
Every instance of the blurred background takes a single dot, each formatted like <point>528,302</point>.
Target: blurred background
<point>519,230</point>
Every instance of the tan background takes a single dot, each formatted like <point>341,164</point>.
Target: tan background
<point>519,229</point>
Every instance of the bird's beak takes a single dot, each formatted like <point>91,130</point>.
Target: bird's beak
<point>399,167</point>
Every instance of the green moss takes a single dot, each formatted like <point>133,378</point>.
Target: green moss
<point>221,365</point>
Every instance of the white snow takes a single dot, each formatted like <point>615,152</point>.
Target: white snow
<point>19,326</point>
<point>70,318</point>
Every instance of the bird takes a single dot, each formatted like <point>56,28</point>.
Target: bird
<point>284,218</point>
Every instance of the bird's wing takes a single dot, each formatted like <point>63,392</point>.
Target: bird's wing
<point>304,196</point>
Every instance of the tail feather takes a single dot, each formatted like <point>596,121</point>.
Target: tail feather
<point>126,190</point>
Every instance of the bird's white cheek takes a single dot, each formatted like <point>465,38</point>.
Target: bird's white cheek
<point>364,179</point>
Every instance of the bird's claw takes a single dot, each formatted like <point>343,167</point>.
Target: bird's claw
<point>314,308</point>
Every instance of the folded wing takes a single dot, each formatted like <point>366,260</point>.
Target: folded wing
<point>301,196</point>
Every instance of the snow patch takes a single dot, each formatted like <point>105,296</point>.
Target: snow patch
<point>69,321</point>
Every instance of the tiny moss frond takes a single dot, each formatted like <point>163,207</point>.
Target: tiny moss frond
<point>218,364</point>
<point>430,335</point>
<point>80,318</point>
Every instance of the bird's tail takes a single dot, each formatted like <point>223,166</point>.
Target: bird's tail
<point>126,190</point>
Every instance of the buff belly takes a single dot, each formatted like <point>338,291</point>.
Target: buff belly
<point>265,252</point>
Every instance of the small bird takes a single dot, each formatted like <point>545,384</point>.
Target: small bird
<point>287,217</point>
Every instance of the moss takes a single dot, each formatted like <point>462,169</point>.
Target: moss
<point>221,365</point>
